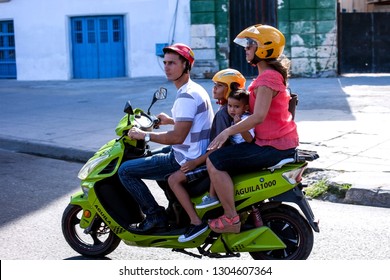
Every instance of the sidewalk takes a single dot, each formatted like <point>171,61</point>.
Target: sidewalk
<point>344,119</point>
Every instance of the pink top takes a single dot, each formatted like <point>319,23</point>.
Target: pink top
<point>278,129</point>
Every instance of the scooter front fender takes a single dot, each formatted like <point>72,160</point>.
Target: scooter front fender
<point>258,239</point>
<point>88,211</point>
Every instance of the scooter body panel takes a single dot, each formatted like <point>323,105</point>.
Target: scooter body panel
<point>161,241</point>
<point>258,239</point>
<point>104,163</point>
<point>252,187</point>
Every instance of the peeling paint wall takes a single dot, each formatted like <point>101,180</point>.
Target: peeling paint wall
<point>310,27</point>
<point>209,33</point>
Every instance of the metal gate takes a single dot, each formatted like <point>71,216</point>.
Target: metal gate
<point>244,13</point>
<point>7,50</point>
<point>98,47</point>
<point>364,43</point>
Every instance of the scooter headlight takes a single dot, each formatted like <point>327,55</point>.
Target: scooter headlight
<point>90,166</point>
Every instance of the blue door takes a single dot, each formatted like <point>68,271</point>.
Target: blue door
<point>7,50</point>
<point>98,47</point>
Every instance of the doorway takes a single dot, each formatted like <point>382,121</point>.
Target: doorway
<point>98,47</point>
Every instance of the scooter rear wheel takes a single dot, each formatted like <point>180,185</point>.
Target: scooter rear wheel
<point>100,242</point>
<point>286,222</point>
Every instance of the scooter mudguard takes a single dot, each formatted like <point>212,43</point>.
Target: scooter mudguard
<point>258,239</point>
<point>81,200</point>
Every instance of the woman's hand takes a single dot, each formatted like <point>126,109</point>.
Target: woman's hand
<point>136,133</point>
<point>219,140</point>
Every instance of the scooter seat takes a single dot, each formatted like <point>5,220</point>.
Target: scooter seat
<point>198,187</point>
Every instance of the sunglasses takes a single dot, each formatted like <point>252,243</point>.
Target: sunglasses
<point>250,43</point>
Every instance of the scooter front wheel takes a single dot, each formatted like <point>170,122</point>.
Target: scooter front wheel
<point>286,222</point>
<point>99,242</point>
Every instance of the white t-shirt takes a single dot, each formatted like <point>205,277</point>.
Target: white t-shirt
<point>193,104</point>
<point>237,138</point>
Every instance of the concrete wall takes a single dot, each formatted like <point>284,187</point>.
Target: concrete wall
<point>352,6</point>
<point>42,33</point>
<point>364,6</point>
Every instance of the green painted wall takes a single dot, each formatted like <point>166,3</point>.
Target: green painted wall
<point>209,23</point>
<point>310,27</point>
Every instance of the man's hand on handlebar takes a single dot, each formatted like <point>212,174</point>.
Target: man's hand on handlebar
<point>136,133</point>
<point>165,119</point>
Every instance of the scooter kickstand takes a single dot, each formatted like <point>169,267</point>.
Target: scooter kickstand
<point>187,253</point>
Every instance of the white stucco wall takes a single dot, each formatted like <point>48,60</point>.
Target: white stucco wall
<point>43,42</point>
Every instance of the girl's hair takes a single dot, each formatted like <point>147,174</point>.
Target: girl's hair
<point>282,65</point>
<point>234,86</point>
<point>240,95</point>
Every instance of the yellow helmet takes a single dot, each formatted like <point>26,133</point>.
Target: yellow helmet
<point>229,76</point>
<point>270,41</point>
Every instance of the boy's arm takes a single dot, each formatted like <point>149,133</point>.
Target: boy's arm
<point>247,136</point>
<point>192,164</point>
<point>202,159</point>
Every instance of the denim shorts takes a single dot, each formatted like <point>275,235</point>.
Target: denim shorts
<point>197,173</point>
<point>247,157</point>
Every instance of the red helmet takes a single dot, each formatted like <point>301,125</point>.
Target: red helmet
<point>183,50</point>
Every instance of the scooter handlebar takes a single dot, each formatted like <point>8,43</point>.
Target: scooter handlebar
<point>156,122</point>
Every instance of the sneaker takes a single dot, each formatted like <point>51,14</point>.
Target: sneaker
<point>151,223</point>
<point>193,231</point>
<point>207,201</point>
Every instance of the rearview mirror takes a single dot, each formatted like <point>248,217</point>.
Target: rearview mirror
<point>160,94</point>
<point>128,108</point>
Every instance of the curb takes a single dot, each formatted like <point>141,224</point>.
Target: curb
<point>357,195</point>
<point>372,192</point>
<point>46,150</point>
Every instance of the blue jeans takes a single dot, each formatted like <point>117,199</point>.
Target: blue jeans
<point>156,167</point>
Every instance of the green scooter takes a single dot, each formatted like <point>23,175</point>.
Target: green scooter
<point>99,216</point>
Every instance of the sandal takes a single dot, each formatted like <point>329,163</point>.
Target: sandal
<point>224,224</point>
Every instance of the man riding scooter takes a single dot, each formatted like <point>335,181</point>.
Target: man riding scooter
<point>192,116</point>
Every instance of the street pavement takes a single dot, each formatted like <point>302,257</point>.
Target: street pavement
<point>345,119</point>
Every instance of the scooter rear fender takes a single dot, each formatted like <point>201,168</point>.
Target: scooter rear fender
<point>296,196</point>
